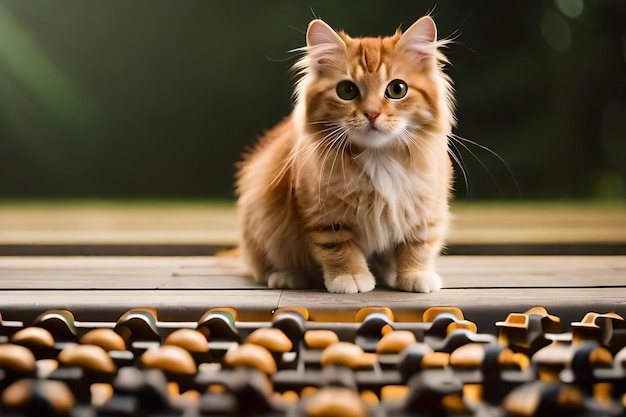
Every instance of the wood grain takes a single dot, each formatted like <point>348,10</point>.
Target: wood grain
<point>216,224</point>
<point>206,273</point>
<point>486,288</point>
<point>184,287</point>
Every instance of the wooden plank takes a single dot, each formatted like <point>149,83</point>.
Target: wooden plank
<point>488,300</point>
<point>130,263</point>
<point>216,224</point>
<point>543,223</point>
<point>102,222</point>
<point>483,306</point>
<point>229,273</point>
<point>108,305</point>
<point>485,288</point>
<point>123,273</point>
<point>532,271</point>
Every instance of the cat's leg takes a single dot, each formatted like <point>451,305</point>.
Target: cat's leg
<point>290,263</point>
<point>344,265</point>
<point>255,260</point>
<point>287,279</point>
<point>416,266</point>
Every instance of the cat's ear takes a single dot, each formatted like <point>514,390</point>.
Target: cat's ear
<point>325,47</point>
<point>420,39</point>
<point>319,33</point>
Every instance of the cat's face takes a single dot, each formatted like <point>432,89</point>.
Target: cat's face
<point>374,92</point>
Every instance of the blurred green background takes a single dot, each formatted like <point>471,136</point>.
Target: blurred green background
<point>157,99</point>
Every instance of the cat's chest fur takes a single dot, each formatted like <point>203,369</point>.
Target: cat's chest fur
<point>385,203</point>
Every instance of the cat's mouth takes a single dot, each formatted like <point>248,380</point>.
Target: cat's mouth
<point>372,127</point>
<point>369,127</point>
<point>369,136</point>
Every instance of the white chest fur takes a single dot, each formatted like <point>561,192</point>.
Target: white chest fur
<point>398,209</point>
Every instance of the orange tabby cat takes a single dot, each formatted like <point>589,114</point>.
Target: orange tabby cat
<point>355,183</point>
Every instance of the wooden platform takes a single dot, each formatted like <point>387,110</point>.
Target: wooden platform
<point>104,228</point>
<point>485,287</point>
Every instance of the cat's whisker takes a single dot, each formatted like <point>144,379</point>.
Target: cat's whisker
<point>294,155</point>
<point>460,163</point>
<point>464,141</point>
<point>493,179</point>
<point>456,158</point>
<point>327,145</point>
<point>278,177</point>
<point>320,122</point>
<point>344,150</point>
<point>330,131</point>
<point>297,153</point>
<point>334,145</point>
<point>357,155</point>
<point>410,141</point>
<point>341,150</point>
<point>331,150</point>
<point>481,163</point>
<point>407,139</point>
<point>485,148</point>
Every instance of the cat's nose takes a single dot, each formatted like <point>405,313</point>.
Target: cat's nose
<point>371,116</point>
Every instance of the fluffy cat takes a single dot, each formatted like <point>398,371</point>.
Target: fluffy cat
<point>355,183</point>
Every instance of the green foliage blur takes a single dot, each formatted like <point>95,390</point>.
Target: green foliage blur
<point>158,99</point>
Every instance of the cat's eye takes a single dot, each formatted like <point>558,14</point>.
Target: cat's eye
<point>347,90</point>
<point>396,90</point>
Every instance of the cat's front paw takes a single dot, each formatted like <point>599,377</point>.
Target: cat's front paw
<point>419,281</point>
<point>350,283</point>
<point>286,279</point>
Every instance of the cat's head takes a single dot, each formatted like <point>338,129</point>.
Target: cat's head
<point>376,92</point>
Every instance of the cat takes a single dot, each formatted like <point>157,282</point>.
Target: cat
<point>355,183</point>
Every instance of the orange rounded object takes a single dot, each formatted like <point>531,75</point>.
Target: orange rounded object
<point>435,360</point>
<point>251,355</point>
<point>395,341</point>
<point>370,397</point>
<point>33,336</point>
<point>347,354</point>
<point>90,357</point>
<point>17,395</point>
<point>188,339</point>
<point>469,355</point>
<point>17,358</point>
<point>320,339</point>
<point>366,311</point>
<point>454,404</point>
<point>107,339</point>
<point>463,324</point>
<point>170,359</point>
<point>270,338</point>
<point>290,397</point>
<point>393,392</point>
<point>432,312</point>
<point>336,402</point>
<point>300,310</point>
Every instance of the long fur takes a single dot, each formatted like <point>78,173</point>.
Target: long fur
<point>331,197</point>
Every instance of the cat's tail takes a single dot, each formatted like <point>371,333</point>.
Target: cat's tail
<point>228,253</point>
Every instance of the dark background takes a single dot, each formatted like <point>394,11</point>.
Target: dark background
<point>156,99</point>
